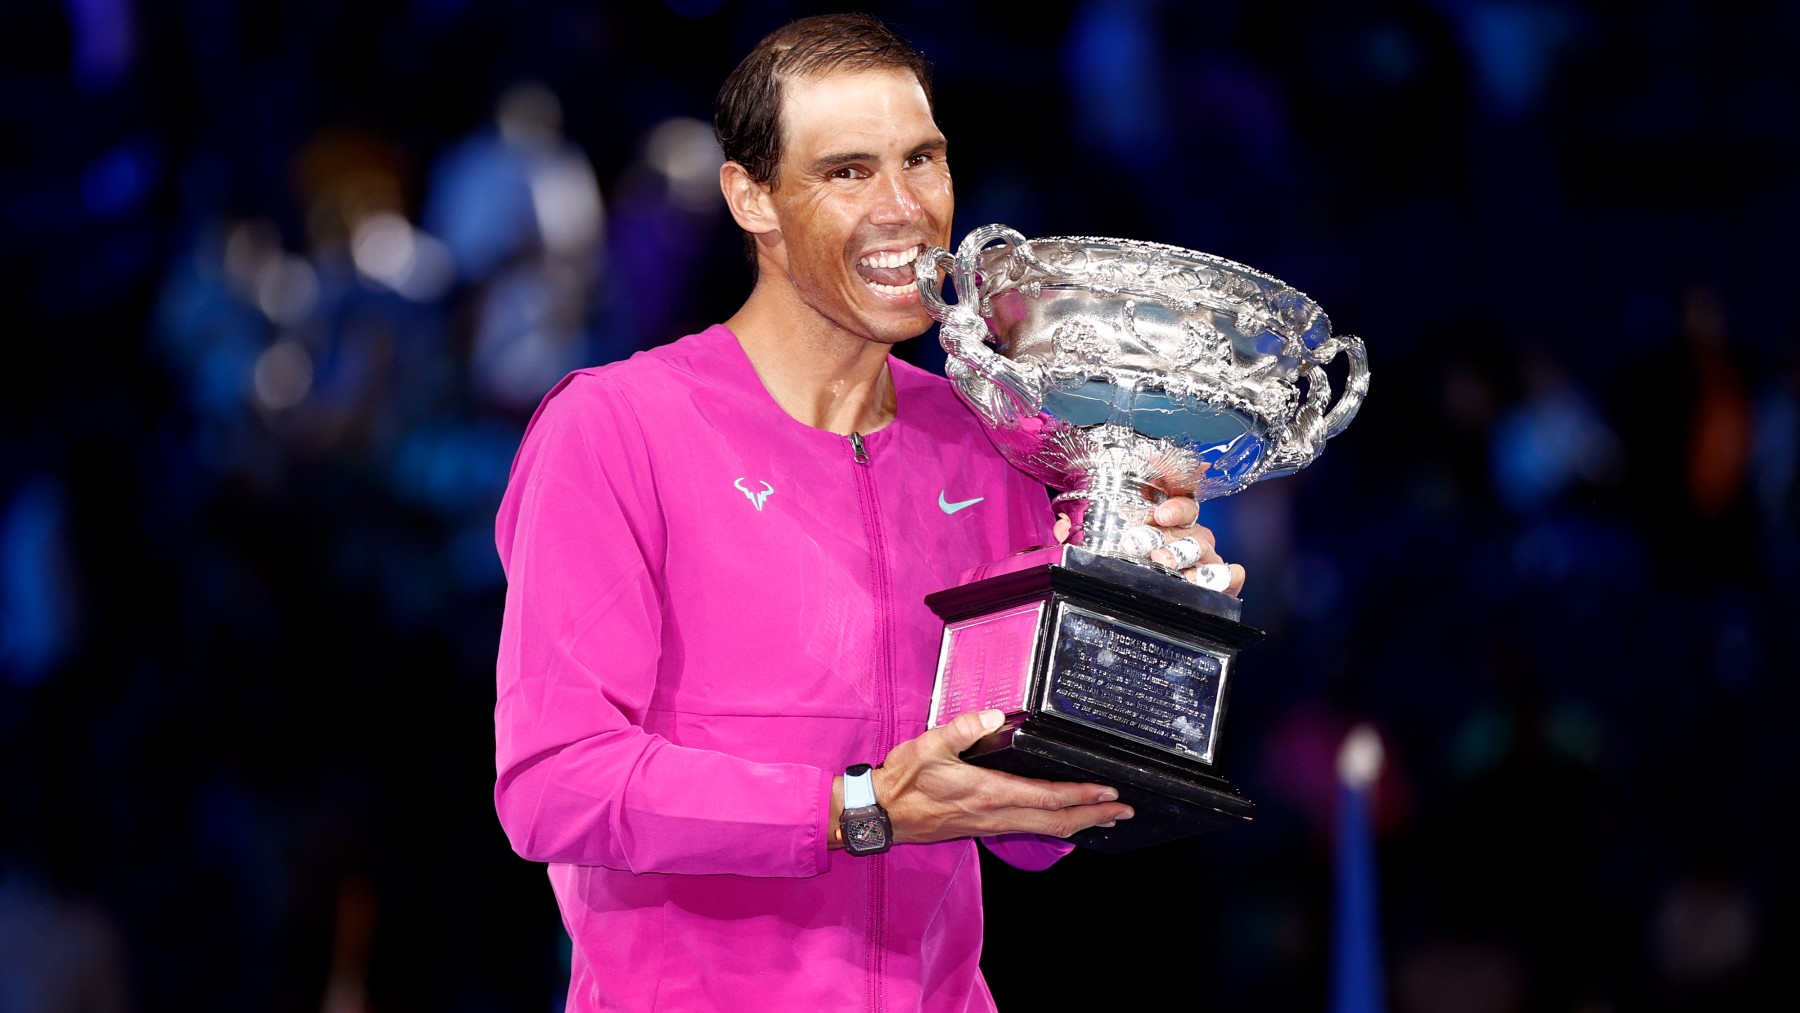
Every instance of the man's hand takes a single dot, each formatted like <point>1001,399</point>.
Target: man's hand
<point>1176,519</point>
<point>930,795</point>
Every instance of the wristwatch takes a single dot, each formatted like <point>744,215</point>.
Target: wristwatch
<point>864,826</point>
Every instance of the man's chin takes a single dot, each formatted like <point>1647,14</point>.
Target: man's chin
<point>899,332</point>
<point>895,323</point>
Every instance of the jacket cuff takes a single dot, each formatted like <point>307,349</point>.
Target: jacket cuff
<point>1030,852</point>
<point>822,824</point>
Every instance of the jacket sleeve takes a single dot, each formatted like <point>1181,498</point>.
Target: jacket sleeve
<point>579,780</point>
<point>1030,852</point>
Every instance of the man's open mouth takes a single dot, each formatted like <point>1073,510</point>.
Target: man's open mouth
<point>890,272</point>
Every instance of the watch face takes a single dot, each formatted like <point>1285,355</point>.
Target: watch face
<point>866,834</point>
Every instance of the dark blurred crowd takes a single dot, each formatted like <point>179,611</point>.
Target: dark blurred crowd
<point>286,281</point>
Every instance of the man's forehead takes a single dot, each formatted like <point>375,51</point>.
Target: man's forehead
<point>874,96</point>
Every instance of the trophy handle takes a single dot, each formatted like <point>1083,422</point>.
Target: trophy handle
<point>1356,387</point>
<point>1002,391</point>
<point>932,261</point>
<point>1314,425</point>
<point>968,258</point>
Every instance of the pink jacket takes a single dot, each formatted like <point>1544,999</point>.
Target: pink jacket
<point>712,610</point>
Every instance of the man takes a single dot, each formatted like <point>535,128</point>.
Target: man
<point>717,554</point>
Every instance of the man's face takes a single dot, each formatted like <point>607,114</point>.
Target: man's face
<point>863,190</point>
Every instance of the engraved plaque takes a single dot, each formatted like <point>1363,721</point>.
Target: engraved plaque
<point>1130,681</point>
<point>985,663</point>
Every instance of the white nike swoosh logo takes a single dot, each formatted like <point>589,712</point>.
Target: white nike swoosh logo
<point>951,508</point>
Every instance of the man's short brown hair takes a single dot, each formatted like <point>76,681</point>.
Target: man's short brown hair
<point>747,115</point>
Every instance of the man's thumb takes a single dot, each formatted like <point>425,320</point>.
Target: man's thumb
<point>968,728</point>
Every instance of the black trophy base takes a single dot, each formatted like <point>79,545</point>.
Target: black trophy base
<point>1168,803</point>
<point>1110,673</point>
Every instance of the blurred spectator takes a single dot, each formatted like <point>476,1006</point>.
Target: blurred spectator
<point>1553,444</point>
<point>520,210</point>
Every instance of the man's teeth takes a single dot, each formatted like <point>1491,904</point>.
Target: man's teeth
<point>898,259</point>
<point>889,260</point>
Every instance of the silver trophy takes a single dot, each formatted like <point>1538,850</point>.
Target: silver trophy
<point>1121,373</point>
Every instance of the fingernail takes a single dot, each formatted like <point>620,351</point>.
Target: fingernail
<point>1109,796</point>
<point>991,720</point>
<point>1127,814</point>
<point>1108,823</point>
<point>1167,514</point>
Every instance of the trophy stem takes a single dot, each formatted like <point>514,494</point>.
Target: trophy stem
<point>1111,512</point>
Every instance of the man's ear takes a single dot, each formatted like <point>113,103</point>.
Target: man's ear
<point>747,199</point>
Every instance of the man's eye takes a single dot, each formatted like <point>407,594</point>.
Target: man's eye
<point>920,159</point>
<point>848,172</point>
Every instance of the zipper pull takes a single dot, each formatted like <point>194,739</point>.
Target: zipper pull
<point>856,446</point>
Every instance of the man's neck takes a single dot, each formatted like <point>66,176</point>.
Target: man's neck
<point>821,375</point>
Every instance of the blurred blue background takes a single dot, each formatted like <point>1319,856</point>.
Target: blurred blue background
<point>285,281</point>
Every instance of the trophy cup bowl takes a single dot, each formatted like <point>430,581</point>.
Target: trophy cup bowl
<point>1120,373</point>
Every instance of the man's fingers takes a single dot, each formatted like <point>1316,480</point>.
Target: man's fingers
<point>1212,576</point>
<point>998,790</point>
<point>967,729</point>
<point>1179,512</point>
<point>1003,791</point>
<point>1063,794</point>
<point>1177,517</point>
<point>1066,821</point>
<point>1057,808</point>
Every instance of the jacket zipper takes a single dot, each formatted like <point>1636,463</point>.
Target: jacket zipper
<point>881,587</point>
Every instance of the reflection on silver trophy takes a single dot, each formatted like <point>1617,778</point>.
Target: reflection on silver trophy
<point>1121,373</point>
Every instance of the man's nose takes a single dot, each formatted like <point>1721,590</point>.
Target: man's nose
<point>896,202</point>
